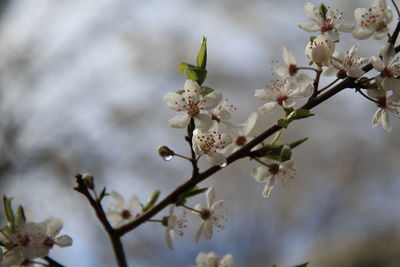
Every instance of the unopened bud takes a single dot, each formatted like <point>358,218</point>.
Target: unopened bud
<point>88,179</point>
<point>165,152</point>
<point>364,82</point>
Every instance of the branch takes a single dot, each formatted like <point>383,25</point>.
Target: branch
<point>98,208</point>
<point>52,263</point>
<point>190,130</point>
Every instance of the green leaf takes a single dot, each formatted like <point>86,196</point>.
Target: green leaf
<point>206,90</point>
<point>323,10</point>
<point>283,123</point>
<point>193,72</point>
<point>286,154</point>
<point>312,38</point>
<point>298,142</point>
<point>195,192</point>
<point>202,55</point>
<point>277,138</point>
<point>288,111</point>
<point>179,92</point>
<point>20,218</point>
<point>299,114</point>
<point>152,200</point>
<point>302,265</point>
<point>189,194</point>
<point>8,209</point>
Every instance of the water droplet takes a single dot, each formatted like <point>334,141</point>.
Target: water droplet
<point>223,164</point>
<point>167,158</point>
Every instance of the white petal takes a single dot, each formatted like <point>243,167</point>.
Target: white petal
<point>217,205</point>
<point>119,200</point>
<point>199,232</point>
<point>179,121</point>
<point>355,72</point>
<point>377,63</point>
<point>309,10</point>
<point>391,84</point>
<point>53,226</point>
<point>268,187</point>
<point>207,229</point>
<point>192,90</point>
<point>261,174</point>
<point>265,94</point>
<point>211,100</point>
<point>359,14</point>
<point>210,195</point>
<point>330,71</point>
<point>113,216</point>
<point>310,27</point>
<point>288,103</point>
<point>267,107</point>
<point>63,241</point>
<point>169,237</point>
<point>203,121</point>
<point>223,142</point>
<point>288,57</point>
<point>215,158</point>
<point>281,70</point>
<point>175,101</point>
<point>387,52</point>
<point>133,203</point>
<point>377,117</point>
<point>362,34</point>
<point>227,261</point>
<point>385,121</point>
<point>250,123</point>
<point>344,27</point>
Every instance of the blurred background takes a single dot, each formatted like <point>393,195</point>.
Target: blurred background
<point>81,87</point>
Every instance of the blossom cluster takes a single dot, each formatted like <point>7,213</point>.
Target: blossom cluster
<point>23,241</point>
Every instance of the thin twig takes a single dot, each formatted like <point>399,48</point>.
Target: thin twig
<point>367,97</point>
<point>52,263</point>
<point>98,208</point>
<point>316,83</point>
<point>396,7</point>
<point>329,85</point>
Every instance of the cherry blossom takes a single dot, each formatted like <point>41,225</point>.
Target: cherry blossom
<point>222,115</point>
<point>282,170</point>
<point>173,225</point>
<point>320,50</point>
<point>386,104</point>
<point>192,103</point>
<point>347,65</point>
<point>122,212</point>
<point>211,143</point>
<point>389,66</point>
<point>373,21</point>
<point>290,69</point>
<point>212,260</point>
<point>326,21</point>
<point>282,92</point>
<point>211,216</point>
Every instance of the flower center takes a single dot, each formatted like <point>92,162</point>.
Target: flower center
<point>387,73</point>
<point>126,214</point>
<point>205,214</point>
<point>326,26</point>
<point>281,98</point>
<point>341,74</point>
<point>48,242</point>
<point>193,108</point>
<point>24,240</point>
<point>240,140</point>
<point>274,168</point>
<point>382,102</point>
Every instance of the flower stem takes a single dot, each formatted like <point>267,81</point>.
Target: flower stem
<point>329,85</point>
<point>307,68</point>
<point>364,95</point>
<point>183,157</point>
<point>396,7</point>
<point>191,209</point>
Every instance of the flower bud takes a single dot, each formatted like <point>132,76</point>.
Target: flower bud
<point>88,179</point>
<point>320,50</point>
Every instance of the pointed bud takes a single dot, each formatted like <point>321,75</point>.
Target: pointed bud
<point>88,179</point>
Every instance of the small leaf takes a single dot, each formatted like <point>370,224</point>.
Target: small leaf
<point>102,194</point>
<point>206,90</point>
<point>299,114</point>
<point>288,111</point>
<point>286,153</point>
<point>182,67</point>
<point>189,194</point>
<point>283,123</point>
<point>20,218</point>
<point>202,55</point>
<point>179,92</point>
<point>152,200</point>
<point>298,142</point>
<point>323,10</point>
<point>195,192</point>
<point>312,38</point>
<point>8,210</point>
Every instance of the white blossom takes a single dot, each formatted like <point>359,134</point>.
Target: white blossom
<point>174,224</point>
<point>373,21</point>
<point>290,69</point>
<point>282,92</point>
<point>325,22</point>
<point>282,170</point>
<point>212,260</point>
<point>211,143</point>
<point>386,104</point>
<point>347,65</point>
<point>192,102</point>
<point>389,66</point>
<point>212,215</point>
<point>320,50</point>
<point>222,114</point>
<point>123,212</point>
